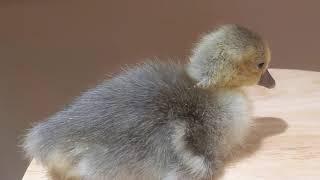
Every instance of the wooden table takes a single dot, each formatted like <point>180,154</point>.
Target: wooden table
<point>285,140</point>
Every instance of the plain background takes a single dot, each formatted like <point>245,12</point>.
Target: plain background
<point>50,51</point>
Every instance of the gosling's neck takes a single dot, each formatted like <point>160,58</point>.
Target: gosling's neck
<point>213,74</point>
<point>194,70</point>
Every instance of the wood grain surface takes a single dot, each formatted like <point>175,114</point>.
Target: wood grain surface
<point>285,139</point>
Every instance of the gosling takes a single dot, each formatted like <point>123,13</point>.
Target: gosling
<point>159,121</point>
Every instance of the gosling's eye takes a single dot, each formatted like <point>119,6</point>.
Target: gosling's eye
<point>260,65</point>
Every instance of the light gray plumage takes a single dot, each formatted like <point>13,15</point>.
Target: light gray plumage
<point>152,121</point>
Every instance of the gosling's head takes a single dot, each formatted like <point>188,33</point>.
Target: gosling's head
<point>229,57</point>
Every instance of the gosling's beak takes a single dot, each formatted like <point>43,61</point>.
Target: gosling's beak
<point>267,80</point>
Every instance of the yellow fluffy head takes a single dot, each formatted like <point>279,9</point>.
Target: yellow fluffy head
<point>230,56</point>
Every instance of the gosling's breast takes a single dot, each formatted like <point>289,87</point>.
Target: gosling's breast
<point>236,112</point>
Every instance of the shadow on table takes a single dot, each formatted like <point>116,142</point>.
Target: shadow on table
<point>263,127</point>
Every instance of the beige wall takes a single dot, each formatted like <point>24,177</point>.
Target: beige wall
<point>52,50</point>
